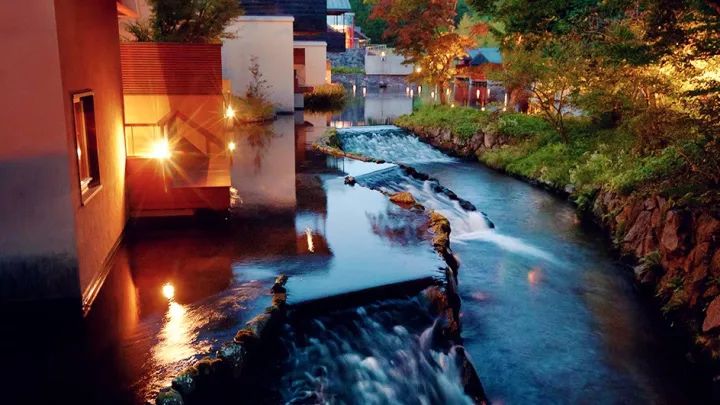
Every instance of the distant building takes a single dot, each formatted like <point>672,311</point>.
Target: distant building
<point>471,80</point>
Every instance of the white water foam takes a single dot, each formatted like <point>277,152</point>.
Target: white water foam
<point>472,225</point>
<point>389,143</point>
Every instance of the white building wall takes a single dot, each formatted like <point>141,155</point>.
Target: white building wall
<point>383,61</point>
<point>315,62</point>
<point>270,39</point>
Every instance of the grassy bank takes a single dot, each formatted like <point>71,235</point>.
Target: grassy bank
<point>594,157</point>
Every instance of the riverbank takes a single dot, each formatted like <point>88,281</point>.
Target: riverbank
<point>661,214</point>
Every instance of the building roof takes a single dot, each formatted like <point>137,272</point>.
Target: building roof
<point>481,56</point>
<point>338,6</point>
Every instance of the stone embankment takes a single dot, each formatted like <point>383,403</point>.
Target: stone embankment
<point>674,247</point>
<point>200,382</point>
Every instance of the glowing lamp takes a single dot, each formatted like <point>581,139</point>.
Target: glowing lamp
<point>232,146</point>
<point>160,149</point>
<point>229,112</point>
<point>418,69</point>
<point>168,291</point>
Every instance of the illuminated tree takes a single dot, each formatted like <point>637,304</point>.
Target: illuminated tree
<point>424,32</point>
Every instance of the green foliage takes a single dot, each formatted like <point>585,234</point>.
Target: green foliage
<point>252,109</point>
<point>326,97</point>
<point>348,70</point>
<point>462,122</point>
<point>371,27</point>
<point>197,21</point>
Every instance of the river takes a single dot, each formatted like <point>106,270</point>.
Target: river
<point>548,314</point>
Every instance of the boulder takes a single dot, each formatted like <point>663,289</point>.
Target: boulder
<point>672,240</point>
<point>350,180</point>
<point>712,316</point>
<point>186,382</point>
<point>403,197</point>
<point>168,396</point>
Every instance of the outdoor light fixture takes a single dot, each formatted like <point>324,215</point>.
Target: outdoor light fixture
<point>418,69</point>
<point>160,149</point>
<point>419,90</point>
<point>168,291</point>
<point>229,112</point>
<point>232,146</point>
<point>354,88</point>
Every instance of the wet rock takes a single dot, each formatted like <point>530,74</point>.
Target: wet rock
<point>234,355</point>
<point>168,396</point>
<point>279,285</point>
<point>672,241</point>
<point>470,379</point>
<point>350,180</point>
<point>247,338</point>
<point>259,324</point>
<point>186,382</point>
<point>208,366</point>
<point>712,316</point>
<point>467,205</point>
<point>403,197</point>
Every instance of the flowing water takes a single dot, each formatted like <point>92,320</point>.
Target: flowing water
<point>548,314</point>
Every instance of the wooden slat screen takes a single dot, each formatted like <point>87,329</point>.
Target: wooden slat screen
<point>164,68</point>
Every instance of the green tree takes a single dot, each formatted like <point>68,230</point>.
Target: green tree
<point>197,21</point>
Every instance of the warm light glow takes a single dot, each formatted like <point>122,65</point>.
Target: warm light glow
<point>229,112</point>
<point>311,244</point>
<point>354,88</point>
<point>432,94</point>
<point>364,91</point>
<point>232,146</point>
<point>160,149</point>
<point>452,105</point>
<point>168,291</point>
<point>412,93</point>
<point>419,90</point>
<point>382,54</point>
<point>478,93</point>
<point>418,69</point>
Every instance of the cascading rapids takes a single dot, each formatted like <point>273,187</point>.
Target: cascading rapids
<point>378,354</point>
<point>389,143</point>
<point>396,145</point>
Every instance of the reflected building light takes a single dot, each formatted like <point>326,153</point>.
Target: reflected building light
<point>534,276</point>
<point>419,90</point>
<point>506,102</point>
<point>176,336</point>
<point>412,93</point>
<point>364,91</point>
<point>407,90</point>
<point>354,88</point>
<point>310,243</point>
<point>478,94</point>
<point>418,69</point>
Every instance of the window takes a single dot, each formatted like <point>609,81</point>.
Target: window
<point>86,143</point>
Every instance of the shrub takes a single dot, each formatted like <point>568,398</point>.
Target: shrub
<point>462,122</point>
<point>348,70</point>
<point>253,109</point>
<point>326,97</point>
<point>519,125</point>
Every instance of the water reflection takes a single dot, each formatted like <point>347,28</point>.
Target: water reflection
<point>263,167</point>
<point>376,108</point>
